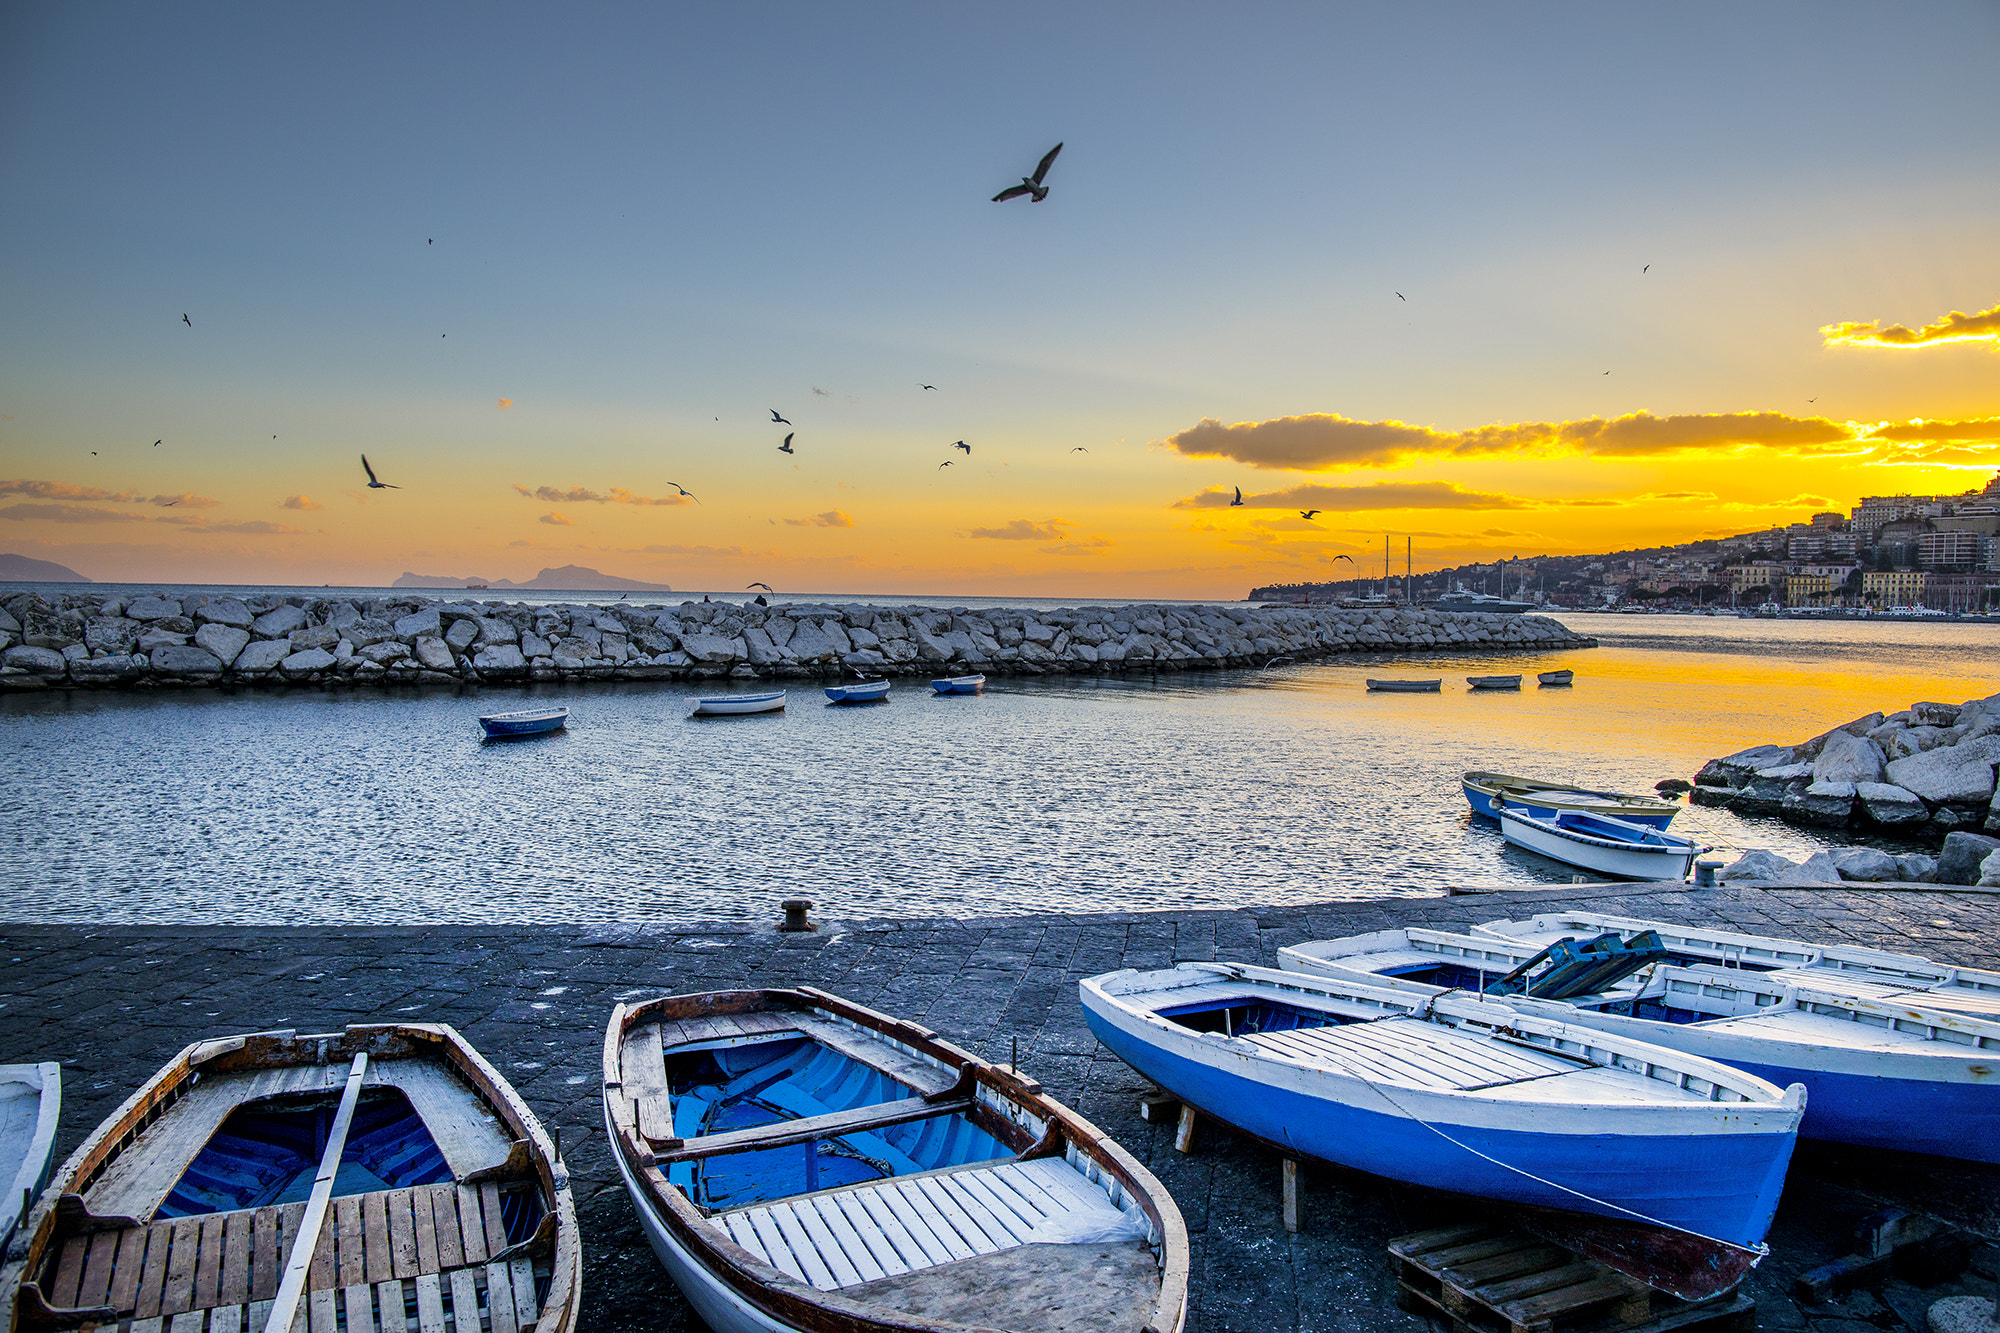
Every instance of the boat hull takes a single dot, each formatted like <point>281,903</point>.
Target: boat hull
<point>739,705</point>
<point>1546,800</point>
<point>1494,682</point>
<point>960,685</point>
<point>1720,1185</point>
<point>27,1148</point>
<point>875,691</point>
<point>506,726</point>
<point>1406,686</point>
<point>1631,861</point>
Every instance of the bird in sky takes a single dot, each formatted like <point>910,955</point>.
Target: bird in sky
<point>963,445</point>
<point>927,386</point>
<point>1031,185</point>
<point>373,484</point>
<point>430,240</point>
<point>1307,514</point>
<point>1239,498</point>
<point>156,443</point>
<point>1607,372</point>
<point>185,320</point>
<point>1079,450</point>
<point>685,491</point>
<point>1401,297</point>
<point>947,463</point>
<point>786,447</point>
<point>1348,558</point>
<point>93,453</point>
<point>170,504</point>
<point>765,586</point>
<point>1812,400</point>
<point>1644,269</point>
<point>777,420</point>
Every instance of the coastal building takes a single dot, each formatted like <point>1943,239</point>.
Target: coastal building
<point>1810,589</point>
<point>1893,587</point>
<point>1961,593</point>
<point>1951,550</point>
<point>1757,574</point>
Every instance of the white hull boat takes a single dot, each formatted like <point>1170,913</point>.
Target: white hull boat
<point>959,684</point>
<point>801,1164</point>
<point>1609,846</point>
<point>30,1106</point>
<point>1406,686</point>
<point>737,705</point>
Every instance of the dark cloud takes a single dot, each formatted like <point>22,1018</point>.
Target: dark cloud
<point>1349,499</point>
<point>1956,327</point>
<point>555,519</point>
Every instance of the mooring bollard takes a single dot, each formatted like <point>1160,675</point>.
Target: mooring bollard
<point>795,914</point>
<point>1704,874</point>
<point>1294,1223</point>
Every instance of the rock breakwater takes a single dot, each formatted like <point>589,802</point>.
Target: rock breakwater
<point>157,641</point>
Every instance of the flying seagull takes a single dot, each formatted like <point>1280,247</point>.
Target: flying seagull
<point>1079,450</point>
<point>963,445</point>
<point>430,240</point>
<point>777,420</point>
<point>1348,558</point>
<point>156,443</point>
<point>1031,185</point>
<point>765,586</point>
<point>373,484</point>
<point>945,464</point>
<point>1307,514</point>
<point>1401,297</point>
<point>684,491</point>
<point>93,453</point>
<point>170,504</point>
<point>927,386</point>
<point>185,320</point>
<point>1239,498</point>
<point>786,447</point>
<point>1644,269</point>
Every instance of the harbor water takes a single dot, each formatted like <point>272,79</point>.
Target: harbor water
<point>1203,789</point>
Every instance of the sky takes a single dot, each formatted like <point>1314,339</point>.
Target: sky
<point>1500,280</point>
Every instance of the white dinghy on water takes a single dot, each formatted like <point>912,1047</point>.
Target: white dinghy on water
<point>1462,1094</point>
<point>739,705</point>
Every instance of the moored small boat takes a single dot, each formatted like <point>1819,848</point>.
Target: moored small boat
<point>1406,686</point>
<point>959,684</point>
<point>1563,677</point>
<point>1494,682</point>
<point>30,1106</point>
<point>1602,843</point>
<point>735,705</point>
<point>801,1164</point>
<point>861,692</point>
<point>526,722</point>
<point>1461,1094</point>
<point>1543,799</point>
<point>273,1181</point>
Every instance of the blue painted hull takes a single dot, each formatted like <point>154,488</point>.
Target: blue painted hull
<point>1721,1186</point>
<point>1913,1115</point>
<point>857,694</point>
<point>956,687</point>
<point>501,730</point>
<point>1482,804</point>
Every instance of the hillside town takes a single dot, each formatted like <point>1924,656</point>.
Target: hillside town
<point>1933,554</point>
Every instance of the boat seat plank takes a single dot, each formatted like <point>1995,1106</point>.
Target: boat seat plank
<point>808,1129</point>
<point>352,1244</point>
<point>258,1316</point>
<point>464,1286</point>
<point>375,1237</point>
<point>888,1240</point>
<point>69,1272</point>
<point>526,1308</point>
<point>402,1234</point>
<point>803,1250</point>
<point>744,1234</point>
<point>186,1238</point>
<point>655,1115</point>
<point>471,1227</point>
<point>775,1244</point>
<point>988,1210</point>
<point>153,1325</point>
<point>500,1301</point>
<point>188,1321</point>
<point>925,1249</point>
<point>153,1276</point>
<point>909,1201</point>
<point>444,1218</point>
<point>127,1267</point>
<point>470,1136</point>
<point>325,1272</point>
<point>234,1286</point>
<point>227,1319</point>
<point>430,1304</point>
<point>208,1263</point>
<point>322,1312</point>
<point>641,1067</point>
<point>392,1306</point>
<point>423,1229</point>
<point>1345,1059</point>
<point>860,1254</point>
<point>831,1251</point>
<point>358,1302</point>
<point>496,1229</point>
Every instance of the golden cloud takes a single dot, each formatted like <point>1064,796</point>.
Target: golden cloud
<point>1324,441</point>
<point>300,502</point>
<point>57,490</point>
<point>258,527</point>
<point>185,500</point>
<point>618,495</point>
<point>555,519</point>
<point>66,513</point>
<point>1931,432</point>
<point>832,518</point>
<point>1956,327</point>
<point>506,403</point>
<point>1379,495</point>
<point>1026,530</point>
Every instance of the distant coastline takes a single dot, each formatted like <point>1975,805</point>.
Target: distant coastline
<point>27,569</point>
<point>564,578</point>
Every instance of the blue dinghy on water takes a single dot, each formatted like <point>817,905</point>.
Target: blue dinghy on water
<point>527,722</point>
<point>959,685</point>
<point>862,692</point>
<point>1893,1051</point>
<point>1462,1094</point>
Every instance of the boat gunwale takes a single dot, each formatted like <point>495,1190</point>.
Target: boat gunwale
<point>256,1051</point>
<point>527,714</point>
<point>774,1293</point>
<point>33,1174</point>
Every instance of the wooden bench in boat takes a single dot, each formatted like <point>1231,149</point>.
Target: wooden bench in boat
<point>887,1228</point>
<point>391,1261</point>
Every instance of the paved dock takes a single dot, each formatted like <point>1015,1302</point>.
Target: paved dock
<point>113,1003</point>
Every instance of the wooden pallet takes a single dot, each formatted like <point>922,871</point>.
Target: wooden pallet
<point>1486,1278</point>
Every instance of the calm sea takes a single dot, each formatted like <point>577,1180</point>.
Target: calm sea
<point>1208,790</point>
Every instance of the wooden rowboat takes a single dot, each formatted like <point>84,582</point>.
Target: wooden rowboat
<point>1494,682</point>
<point>272,1182</point>
<point>1543,798</point>
<point>1406,686</point>
<point>1563,677</point>
<point>527,722</point>
<point>30,1106</point>
<point>861,692</point>
<point>735,705</point>
<point>801,1164</point>
<point>1610,846</point>
<point>959,684</point>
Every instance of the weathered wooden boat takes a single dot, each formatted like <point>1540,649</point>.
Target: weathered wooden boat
<point>1544,798</point>
<point>1563,677</point>
<point>735,705</point>
<point>385,1176</point>
<point>959,684</point>
<point>802,1163</point>
<point>1601,843</point>
<point>30,1106</point>
<point>861,692</point>
<point>1494,682</point>
<point>1882,1066</point>
<point>1464,1094</point>
<point>526,722</point>
<point>1406,686</point>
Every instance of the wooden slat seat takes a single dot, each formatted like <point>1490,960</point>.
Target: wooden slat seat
<point>886,1228</point>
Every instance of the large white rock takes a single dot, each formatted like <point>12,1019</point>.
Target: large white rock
<point>224,611</point>
<point>433,653</point>
<point>222,639</point>
<point>186,660</point>
<point>279,623</point>
<point>1827,803</point>
<point>491,631</point>
<point>1848,758</point>
<point>810,643</point>
<point>1961,774</point>
<point>1757,865</point>
<point>1916,868</point>
<point>153,608</point>
<point>714,648</point>
<point>1888,804</point>
<point>1868,864</point>
<point>1819,868</point>
<point>1989,871</point>
<point>308,661</point>
<point>41,661</point>
<point>532,644</point>
<point>261,655</point>
<point>388,650</point>
<point>119,666</point>
<point>114,634</point>
<point>501,657</point>
<point>1916,740</point>
<point>419,622</point>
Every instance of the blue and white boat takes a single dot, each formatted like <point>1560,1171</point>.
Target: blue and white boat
<point>1544,799</point>
<point>1608,846</point>
<point>526,722</point>
<point>30,1106</point>
<point>862,692</point>
<point>959,684</point>
<point>801,1164</point>
<point>1458,1093</point>
<point>736,705</point>
<point>1894,1051</point>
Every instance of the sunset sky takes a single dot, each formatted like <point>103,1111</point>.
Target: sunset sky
<point>1510,279</point>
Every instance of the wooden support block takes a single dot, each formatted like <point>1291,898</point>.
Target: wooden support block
<point>471,1230</point>
<point>153,1275</point>
<point>1292,1222</point>
<point>260,1315</point>
<point>1157,1107</point>
<point>1184,1136</point>
<point>179,1296</point>
<point>153,1325</point>
<point>97,1268</point>
<point>208,1263</point>
<point>500,1300</point>
<point>187,1321</point>
<point>464,1299</point>
<point>236,1241</point>
<point>228,1319</point>
<point>350,1240</point>
<point>130,1263</point>
<point>496,1230</point>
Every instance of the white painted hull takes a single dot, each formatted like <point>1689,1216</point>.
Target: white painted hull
<point>736,705</point>
<point>30,1105</point>
<point>1627,861</point>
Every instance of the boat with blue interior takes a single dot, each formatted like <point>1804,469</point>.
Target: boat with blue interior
<point>1465,1094</point>
<point>385,1176</point>
<point>525,722</point>
<point>1544,798</point>
<point>861,692</point>
<point>1619,847</point>
<point>959,684</point>
<point>30,1106</point>
<point>1894,1051</point>
<point>799,1162</point>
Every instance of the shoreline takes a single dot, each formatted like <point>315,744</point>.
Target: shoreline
<point>151,642</point>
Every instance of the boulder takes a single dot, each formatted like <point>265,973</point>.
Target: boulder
<point>114,634</point>
<point>810,643</point>
<point>500,659</point>
<point>534,645</point>
<point>1963,852</point>
<point>1860,726</point>
<point>261,655</point>
<point>119,666</point>
<point>1818,868</point>
<point>462,633</point>
<point>491,631</point>
<point>433,653</point>
<point>1916,868</point>
<point>41,661</point>
<point>419,622</point>
<point>1989,872</point>
<point>279,623</point>
<point>1826,804</point>
<point>224,611</point>
<point>153,608</point>
<point>387,651</point>
<point>186,660</point>
<point>1848,758</point>
<point>713,649</point>
<point>1992,821</point>
<point>1757,865</point>
<point>306,662</point>
<point>1952,776</point>
<point>223,639</point>
<point>1915,740</point>
<point>1868,864</point>
<point>1887,804</point>
<point>1934,714</point>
